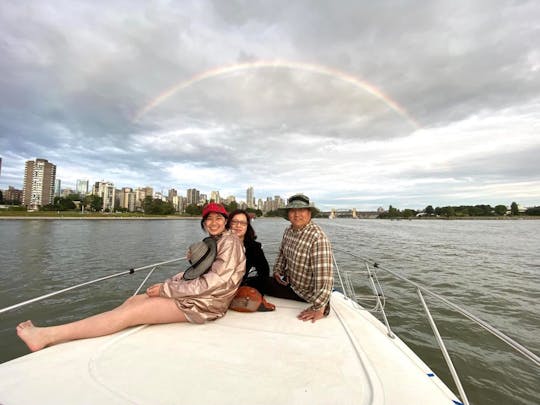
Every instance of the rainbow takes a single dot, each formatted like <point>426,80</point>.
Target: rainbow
<point>281,64</point>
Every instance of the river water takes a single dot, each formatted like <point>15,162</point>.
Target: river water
<point>491,268</point>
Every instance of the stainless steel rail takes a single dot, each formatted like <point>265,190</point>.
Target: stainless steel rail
<point>494,331</point>
<point>442,346</point>
<point>123,273</point>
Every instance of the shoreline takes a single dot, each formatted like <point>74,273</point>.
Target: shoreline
<point>198,218</point>
<point>30,217</point>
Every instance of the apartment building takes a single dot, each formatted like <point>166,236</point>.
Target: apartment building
<point>39,182</point>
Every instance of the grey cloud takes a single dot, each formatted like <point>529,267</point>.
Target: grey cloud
<point>73,80</point>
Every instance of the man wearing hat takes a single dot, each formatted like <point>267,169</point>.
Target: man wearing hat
<point>303,268</point>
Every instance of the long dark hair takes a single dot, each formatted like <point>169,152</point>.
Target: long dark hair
<point>250,235</point>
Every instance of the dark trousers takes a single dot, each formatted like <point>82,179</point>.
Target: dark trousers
<point>273,288</point>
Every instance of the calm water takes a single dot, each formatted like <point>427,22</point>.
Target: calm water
<point>491,268</point>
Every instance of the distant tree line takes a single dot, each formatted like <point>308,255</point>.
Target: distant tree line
<point>481,210</point>
<point>152,206</point>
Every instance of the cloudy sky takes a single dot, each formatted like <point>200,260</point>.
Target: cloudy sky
<point>356,103</point>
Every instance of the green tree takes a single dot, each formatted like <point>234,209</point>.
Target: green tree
<point>448,211</point>
<point>94,202</point>
<point>274,213</point>
<point>429,210</point>
<point>147,204</point>
<point>193,209</point>
<point>1,197</point>
<point>408,213</point>
<point>63,204</point>
<point>48,207</point>
<point>533,211</point>
<point>157,206</point>
<point>514,209</point>
<point>500,209</point>
<point>233,205</point>
<point>393,212</point>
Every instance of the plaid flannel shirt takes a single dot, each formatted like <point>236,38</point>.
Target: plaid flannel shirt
<point>305,257</point>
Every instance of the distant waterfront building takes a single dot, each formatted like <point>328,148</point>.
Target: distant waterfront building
<point>193,196</point>
<point>12,195</point>
<point>57,188</point>
<point>127,199</point>
<point>170,196</point>
<point>140,194</point>
<point>230,199</point>
<point>81,187</point>
<point>38,185</point>
<point>277,203</point>
<point>66,193</point>
<point>214,196</point>
<point>250,199</point>
<point>105,190</point>
<point>267,205</point>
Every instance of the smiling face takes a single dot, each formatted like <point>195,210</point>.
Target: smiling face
<point>239,225</point>
<point>299,217</point>
<point>214,224</point>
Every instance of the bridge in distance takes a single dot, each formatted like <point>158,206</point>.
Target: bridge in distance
<point>350,213</point>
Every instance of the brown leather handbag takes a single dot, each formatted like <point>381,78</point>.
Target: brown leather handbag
<point>248,299</point>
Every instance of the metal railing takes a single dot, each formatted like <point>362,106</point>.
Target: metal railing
<point>494,331</point>
<point>97,280</point>
<point>378,294</point>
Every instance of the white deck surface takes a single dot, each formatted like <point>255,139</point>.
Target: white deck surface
<point>253,358</point>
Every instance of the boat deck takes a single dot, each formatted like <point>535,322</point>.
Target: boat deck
<point>250,358</point>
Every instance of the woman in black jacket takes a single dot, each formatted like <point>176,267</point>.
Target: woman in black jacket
<point>257,269</point>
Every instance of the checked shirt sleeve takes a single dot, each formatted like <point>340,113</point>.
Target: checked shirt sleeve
<point>321,259</point>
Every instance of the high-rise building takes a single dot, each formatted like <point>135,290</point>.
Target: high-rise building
<point>12,195</point>
<point>105,190</point>
<point>38,185</point>
<point>193,196</point>
<point>127,199</point>
<point>57,188</point>
<point>82,187</point>
<point>214,196</point>
<point>140,194</point>
<point>250,200</point>
<point>172,193</point>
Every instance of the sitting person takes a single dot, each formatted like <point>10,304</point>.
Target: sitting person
<point>196,299</point>
<point>303,269</point>
<point>257,268</point>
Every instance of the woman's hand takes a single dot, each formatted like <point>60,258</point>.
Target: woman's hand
<point>153,291</point>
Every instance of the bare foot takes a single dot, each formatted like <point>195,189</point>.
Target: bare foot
<point>31,335</point>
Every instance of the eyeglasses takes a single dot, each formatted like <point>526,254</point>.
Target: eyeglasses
<point>236,222</point>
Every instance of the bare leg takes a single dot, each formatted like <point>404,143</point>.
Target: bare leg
<point>137,310</point>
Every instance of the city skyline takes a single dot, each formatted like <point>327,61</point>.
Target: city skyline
<point>355,103</point>
<point>208,195</point>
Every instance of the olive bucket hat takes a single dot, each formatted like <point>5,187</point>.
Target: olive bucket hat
<point>298,201</point>
<point>203,255</point>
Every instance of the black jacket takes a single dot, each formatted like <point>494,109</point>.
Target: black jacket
<point>257,269</point>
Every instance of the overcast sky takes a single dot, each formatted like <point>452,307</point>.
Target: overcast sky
<point>355,103</point>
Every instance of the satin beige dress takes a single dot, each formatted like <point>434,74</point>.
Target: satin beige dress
<point>208,297</point>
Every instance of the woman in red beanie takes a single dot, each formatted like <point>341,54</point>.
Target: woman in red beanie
<point>178,299</point>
